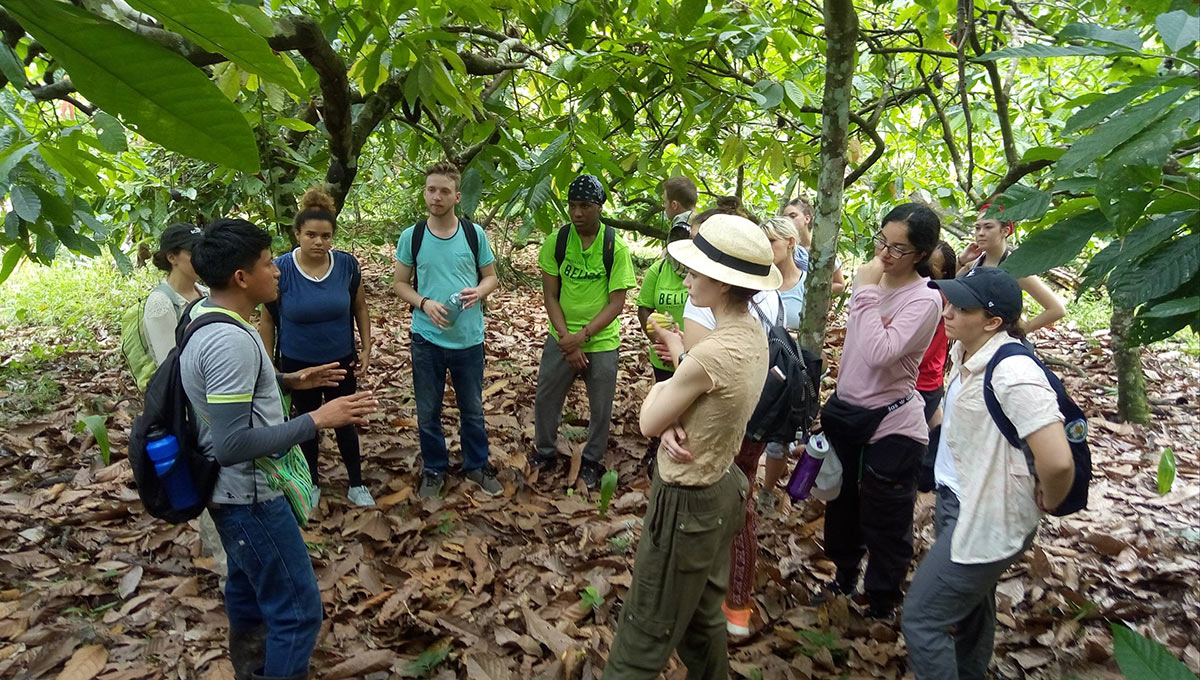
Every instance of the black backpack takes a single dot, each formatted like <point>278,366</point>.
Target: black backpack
<point>167,408</point>
<point>609,248</point>
<point>790,398</point>
<point>1074,422</point>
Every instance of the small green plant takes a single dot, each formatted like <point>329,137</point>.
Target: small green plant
<point>447,524</point>
<point>98,426</point>
<point>1166,471</point>
<point>1141,658</point>
<point>590,598</point>
<point>608,486</point>
<point>424,665</point>
<point>619,545</point>
<point>813,642</point>
<point>755,674</point>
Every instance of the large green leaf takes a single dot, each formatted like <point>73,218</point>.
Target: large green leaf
<point>216,30</point>
<point>1100,109</point>
<point>1054,246</point>
<point>1050,51</point>
<point>1018,203</point>
<point>25,202</point>
<point>686,15</point>
<point>1125,38</point>
<point>1166,461</point>
<point>1141,658</point>
<point>170,102</point>
<point>11,257</point>
<point>98,426</point>
<point>1178,29</point>
<point>472,189</point>
<point>1135,244</point>
<point>11,67</point>
<point>1116,131</point>
<point>1176,307</point>
<point>1160,273</point>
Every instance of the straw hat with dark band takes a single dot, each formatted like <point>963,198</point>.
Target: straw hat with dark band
<point>732,250</point>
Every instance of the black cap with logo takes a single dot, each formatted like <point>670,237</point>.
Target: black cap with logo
<point>988,288</point>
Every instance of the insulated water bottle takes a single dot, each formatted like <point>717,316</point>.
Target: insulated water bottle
<point>162,448</point>
<point>807,467</point>
<point>454,307</point>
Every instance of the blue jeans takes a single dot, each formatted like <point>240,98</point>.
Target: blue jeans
<point>270,581</point>
<point>430,363</point>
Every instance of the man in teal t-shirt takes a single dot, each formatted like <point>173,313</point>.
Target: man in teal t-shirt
<point>445,265</point>
<point>582,302</point>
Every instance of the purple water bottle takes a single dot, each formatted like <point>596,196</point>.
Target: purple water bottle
<point>807,467</point>
<point>176,479</point>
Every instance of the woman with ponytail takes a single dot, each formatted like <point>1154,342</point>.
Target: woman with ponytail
<point>321,299</point>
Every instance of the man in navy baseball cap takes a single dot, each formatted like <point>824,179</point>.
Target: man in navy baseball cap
<point>988,288</point>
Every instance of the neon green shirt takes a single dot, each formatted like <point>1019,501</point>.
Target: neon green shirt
<point>583,288</point>
<point>663,291</point>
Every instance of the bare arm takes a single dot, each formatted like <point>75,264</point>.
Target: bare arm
<point>644,315</point>
<point>402,284</point>
<point>1053,462</point>
<point>362,318</point>
<point>554,310</point>
<point>616,302</point>
<point>1052,305</point>
<point>838,283</point>
<point>266,329</point>
<point>488,282</point>
<point>668,400</point>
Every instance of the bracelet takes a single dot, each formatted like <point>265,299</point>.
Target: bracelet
<point>422,305</point>
<point>679,360</point>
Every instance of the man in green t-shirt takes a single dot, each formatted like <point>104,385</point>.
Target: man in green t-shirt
<point>583,300</point>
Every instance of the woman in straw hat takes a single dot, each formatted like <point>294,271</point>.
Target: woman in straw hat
<point>698,496</point>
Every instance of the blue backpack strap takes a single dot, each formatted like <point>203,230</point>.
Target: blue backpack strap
<point>989,392</point>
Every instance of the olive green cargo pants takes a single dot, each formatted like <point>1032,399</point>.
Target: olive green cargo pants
<point>679,579</point>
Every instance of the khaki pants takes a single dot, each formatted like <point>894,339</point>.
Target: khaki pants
<point>679,580</point>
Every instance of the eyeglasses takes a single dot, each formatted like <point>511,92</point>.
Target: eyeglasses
<point>896,251</point>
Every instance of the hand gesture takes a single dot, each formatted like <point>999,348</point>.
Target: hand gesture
<point>436,312</point>
<point>870,273</point>
<point>672,442</point>
<point>348,410</point>
<point>577,360</point>
<point>364,361</point>
<point>325,375</point>
<point>570,342</point>
<point>469,296</point>
<point>668,342</point>
<point>972,252</point>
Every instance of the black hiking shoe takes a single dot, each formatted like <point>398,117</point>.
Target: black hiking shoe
<point>832,590</point>
<point>547,462</point>
<point>590,472</point>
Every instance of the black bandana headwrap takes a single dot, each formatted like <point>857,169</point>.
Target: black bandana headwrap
<point>586,188</point>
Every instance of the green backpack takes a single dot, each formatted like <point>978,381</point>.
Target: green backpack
<point>135,347</point>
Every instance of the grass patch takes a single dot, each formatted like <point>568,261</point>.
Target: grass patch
<point>75,295</point>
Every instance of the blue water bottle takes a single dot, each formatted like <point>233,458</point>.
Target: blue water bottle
<point>176,479</point>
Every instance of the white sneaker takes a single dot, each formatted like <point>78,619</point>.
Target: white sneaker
<point>316,497</point>
<point>359,496</point>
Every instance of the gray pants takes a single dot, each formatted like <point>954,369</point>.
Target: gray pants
<point>949,619</point>
<point>555,376</point>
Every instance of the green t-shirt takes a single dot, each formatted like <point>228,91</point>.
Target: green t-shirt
<point>663,291</point>
<point>582,285</point>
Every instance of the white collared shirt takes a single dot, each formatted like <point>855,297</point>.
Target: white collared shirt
<point>997,510</point>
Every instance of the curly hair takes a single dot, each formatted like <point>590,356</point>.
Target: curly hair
<point>316,204</point>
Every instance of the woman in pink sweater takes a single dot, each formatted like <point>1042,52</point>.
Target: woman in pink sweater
<point>875,421</point>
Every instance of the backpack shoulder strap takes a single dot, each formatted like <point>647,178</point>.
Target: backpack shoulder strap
<point>781,315</point>
<point>468,228</point>
<point>414,246</point>
<point>1003,422</point>
<point>610,247</point>
<point>758,310</point>
<point>560,245</point>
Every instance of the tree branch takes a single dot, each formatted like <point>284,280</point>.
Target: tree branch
<point>1000,96</point>
<point>634,226</point>
<point>1017,172</point>
<point>876,153</point>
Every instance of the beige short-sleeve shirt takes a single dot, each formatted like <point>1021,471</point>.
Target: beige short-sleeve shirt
<point>735,358</point>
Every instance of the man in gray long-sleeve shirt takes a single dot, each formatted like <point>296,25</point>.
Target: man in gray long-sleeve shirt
<point>271,595</point>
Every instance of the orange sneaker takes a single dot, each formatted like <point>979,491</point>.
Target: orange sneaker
<point>737,621</point>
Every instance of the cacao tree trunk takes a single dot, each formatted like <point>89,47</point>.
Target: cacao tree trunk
<point>841,37</point>
<point>1132,406</point>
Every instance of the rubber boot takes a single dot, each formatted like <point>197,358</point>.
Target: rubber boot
<point>247,651</point>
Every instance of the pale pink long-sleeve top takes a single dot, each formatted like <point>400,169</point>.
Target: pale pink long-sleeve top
<point>886,336</point>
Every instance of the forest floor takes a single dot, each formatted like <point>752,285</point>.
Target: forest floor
<point>529,585</point>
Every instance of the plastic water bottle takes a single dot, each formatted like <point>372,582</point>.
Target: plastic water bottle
<point>176,479</point>
<point>808,466</point>
<point>454,307</point>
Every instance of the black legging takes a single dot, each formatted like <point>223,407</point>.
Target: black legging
<point>304,401</point>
